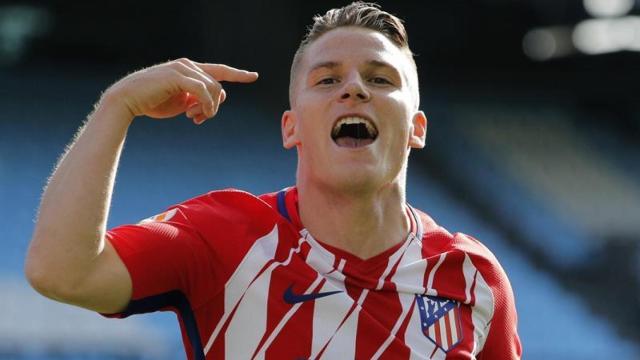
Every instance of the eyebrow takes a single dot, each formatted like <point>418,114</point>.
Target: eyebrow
<point>335,64</point>
<point>324,64</point>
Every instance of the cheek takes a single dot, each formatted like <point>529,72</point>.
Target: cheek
<point>398,112</point>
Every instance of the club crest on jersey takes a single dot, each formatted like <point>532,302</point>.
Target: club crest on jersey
<point>165,216</point>
<point>440,320</point>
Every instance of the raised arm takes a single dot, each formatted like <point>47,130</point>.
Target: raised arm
<point>68,258</point>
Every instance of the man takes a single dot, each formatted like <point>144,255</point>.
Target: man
<point>337,267</point>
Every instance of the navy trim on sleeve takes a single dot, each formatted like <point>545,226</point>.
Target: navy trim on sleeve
<point>175,299</point>
<point>282,206</point>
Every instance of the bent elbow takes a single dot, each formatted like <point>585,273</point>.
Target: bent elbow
<point>38,277</point>
<point>44,279</point>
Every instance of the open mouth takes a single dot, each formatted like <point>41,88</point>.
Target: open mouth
<point>354,132</point>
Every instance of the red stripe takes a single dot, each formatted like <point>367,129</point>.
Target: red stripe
<point>458,326</point>
<point>380,311</point>
<point>472,291</point>
<point>438,333</point>
<point>465,337</point>
<point>449,279</point>
<point>448,328</point>
<point>353,307</point>
<point>299,326</point>
<point>398,349</point>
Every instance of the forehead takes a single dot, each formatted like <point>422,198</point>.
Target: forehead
<point>353,45</point>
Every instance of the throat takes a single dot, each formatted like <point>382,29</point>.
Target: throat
<point>361,227</point>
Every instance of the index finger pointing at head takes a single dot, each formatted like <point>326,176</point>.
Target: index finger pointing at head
<point>222,72</point>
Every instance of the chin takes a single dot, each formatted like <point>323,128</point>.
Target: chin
<point>354,181</point>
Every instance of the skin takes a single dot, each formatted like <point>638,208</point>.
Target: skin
<point>353,198</point>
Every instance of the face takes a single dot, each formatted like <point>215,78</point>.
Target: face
<point>354,116</point>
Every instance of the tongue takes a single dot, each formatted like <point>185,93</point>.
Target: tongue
<point>352,142</point>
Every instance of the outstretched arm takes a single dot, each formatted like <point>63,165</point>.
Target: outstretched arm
<point>68,258</point>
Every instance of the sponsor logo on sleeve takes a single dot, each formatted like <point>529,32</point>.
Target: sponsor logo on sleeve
<point>165,216</point>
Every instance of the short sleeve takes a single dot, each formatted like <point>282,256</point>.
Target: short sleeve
<point>165,254</point>
<point>502,341</point>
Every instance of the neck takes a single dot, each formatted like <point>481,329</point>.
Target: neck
<point>363,224</point>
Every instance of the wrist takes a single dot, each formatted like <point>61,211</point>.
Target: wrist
<point>113,106</point>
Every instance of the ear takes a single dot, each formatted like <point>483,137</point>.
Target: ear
<point>419,131</point>
<point>288,126</point>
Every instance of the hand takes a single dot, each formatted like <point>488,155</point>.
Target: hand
<point>175,87</point>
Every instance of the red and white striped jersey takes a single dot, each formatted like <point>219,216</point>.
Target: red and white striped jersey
<point>249,282</point>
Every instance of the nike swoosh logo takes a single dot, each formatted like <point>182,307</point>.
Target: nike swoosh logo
<point>291,298</point>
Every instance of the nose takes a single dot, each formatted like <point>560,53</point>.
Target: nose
<point>354,90</point>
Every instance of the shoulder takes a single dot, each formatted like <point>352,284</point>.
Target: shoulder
<point>227,205</point>
<point>466,254</point>
<point>437,239</point>
<point>475,277</point>
<point>221,216</point>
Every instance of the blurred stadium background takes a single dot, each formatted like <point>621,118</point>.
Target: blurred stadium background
<point>533,147</point>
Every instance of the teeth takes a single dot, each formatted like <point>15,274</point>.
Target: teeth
<point>354,120</point>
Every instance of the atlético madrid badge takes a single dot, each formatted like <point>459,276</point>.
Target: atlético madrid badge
<point>440,320</point>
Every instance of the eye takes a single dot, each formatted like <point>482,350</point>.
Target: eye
<point>379,80</point>
<point>327,81</point>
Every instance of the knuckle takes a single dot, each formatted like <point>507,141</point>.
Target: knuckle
<point>178,66</point>
<point>174,74</point>
<point>201,87</point>
<point>183,60</point>
<point>215,87</point>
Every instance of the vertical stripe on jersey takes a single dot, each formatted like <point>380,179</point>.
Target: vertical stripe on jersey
<point>260,352</point>
<point>329,312</point>
<point>318,258</point>
<point>470,273</point>
<point>393,262</point>
<point>249,321</point>
<point>482,312</point>
<point>430,290</point>
<point>342,343</point>
<point>286,320</point>
<point>482,303</point>
<point>410,270</point>
<point>261,253</point>
<point>420,346</point>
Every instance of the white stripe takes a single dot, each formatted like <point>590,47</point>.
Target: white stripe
<point>405,274</point>
<point>249,322</point>
<point>393,260</point>
<point>284,320</point>
<point>342,344</point>
<point>328,313</point>
<point>262,251</point>
<point>430,290</point>
<point>432,332</point>
<point>336,278</point>
<point>452,325</point>
<point>318,258</point>
<point>443,333</point>
<point>409,277</point>
<point>252,313</point>
<point>469,271</point>
<point>416,340</point>
<point>481,313</point>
